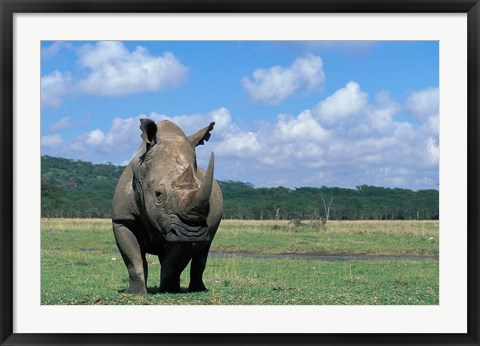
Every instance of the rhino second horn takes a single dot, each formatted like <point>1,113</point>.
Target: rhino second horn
<point>203,194</point>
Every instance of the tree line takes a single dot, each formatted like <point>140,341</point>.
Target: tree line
<point>72,188</point>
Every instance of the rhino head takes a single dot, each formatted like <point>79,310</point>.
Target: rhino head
<point>173,192</point>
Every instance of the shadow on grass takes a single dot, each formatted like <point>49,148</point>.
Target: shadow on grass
<point>156,290</point>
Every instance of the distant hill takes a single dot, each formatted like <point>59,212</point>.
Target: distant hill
<point>73,188</point>
<point>76,188</point>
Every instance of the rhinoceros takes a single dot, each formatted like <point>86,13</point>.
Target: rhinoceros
<point>164,205</point>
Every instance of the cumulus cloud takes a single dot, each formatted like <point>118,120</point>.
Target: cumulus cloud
<point>122,139</point>
<point>273,85</point>
<point>301,127</point>
<point>240,144</point>
<point>379,116</point>
<point>54,87</point>
<point>424,103</point>
<point>372,148</point>
<point>229,139</point>
<point>117,71</point>
<point>62,124</point>
<point>222,118</point>
<point>431,125</point>
<point>191,123</point>
<point>50,51</point>
<point>103,53</point>
<point>345,102</point>
<point>424,106</point>
<point>95,138</point>
<point>51,141</point>
<point>110,69</point>
<point>349,138</point>
<point>433,152</point>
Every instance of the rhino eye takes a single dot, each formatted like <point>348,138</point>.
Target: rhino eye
<point>159,193</point>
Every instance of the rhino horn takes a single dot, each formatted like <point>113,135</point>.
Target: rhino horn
<point>203,194</point>
<point>186,180</point>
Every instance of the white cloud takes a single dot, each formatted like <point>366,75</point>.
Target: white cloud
<point>374,148</point>
<point>240,144</point>
<point>431,125</point>
<point>51,141</point>
<point>228,139</point>
<point>433,150</point>
<point>50,51</point>
<point>302,127</point>
<point>222,118</point>
<point>122,138</point>
<point>62,124</point>
<point>362,144</point>
<point>345,102</point>
<point>112,70</point>
<point>423,104</point>
<point>102,54</point>
<point>116,71</point>
<point>95,138</point>
<point>272,86</point>
<point>194,122</point>
<point>54,87</point>
<point>380,114</point>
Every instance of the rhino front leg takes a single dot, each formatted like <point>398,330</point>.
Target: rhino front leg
<point>199,262</point>
<point>133,257</point>
<point>173,262</point>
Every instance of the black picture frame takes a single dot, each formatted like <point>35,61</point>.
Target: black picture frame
<point>10,7</point>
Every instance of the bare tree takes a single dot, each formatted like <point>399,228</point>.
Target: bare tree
<point>327,207</point>
<point>277,212</point>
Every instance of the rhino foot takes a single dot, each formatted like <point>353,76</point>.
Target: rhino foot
<point>197,287</point>
<point>170,290</point>
<point>135,290</point>
<point>170,285</point>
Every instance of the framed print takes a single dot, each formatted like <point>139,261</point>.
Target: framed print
<point>343,137</point>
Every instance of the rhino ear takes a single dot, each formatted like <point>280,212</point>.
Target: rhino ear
<point>149,131</point>
<point>200,137</point>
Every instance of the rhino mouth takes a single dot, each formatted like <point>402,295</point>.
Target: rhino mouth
<point>178,231</point>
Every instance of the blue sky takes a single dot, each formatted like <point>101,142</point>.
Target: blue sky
<point>287,113</point>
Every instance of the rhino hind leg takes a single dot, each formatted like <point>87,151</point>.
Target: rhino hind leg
<point>199,262</point>
<point>133,258</point>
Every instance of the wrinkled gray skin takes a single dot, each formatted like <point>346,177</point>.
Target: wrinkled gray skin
<point>166,206</point>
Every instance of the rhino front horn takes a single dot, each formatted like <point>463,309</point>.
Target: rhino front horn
<point>203,194</point>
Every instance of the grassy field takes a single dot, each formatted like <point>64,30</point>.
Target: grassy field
<point>81,265</point>
<point>338,237</point>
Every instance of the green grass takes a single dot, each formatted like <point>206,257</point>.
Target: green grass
<point>80,265</point>
<point>269,237</point>
<point>337,237</point>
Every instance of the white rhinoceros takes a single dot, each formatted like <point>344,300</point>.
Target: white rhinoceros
<point>166,206</point>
